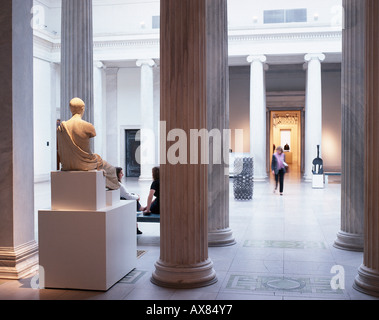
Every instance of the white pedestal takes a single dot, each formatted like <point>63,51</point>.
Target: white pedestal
<point>87,241</point>
<point>318,181</point>
<point>78,190</point>
<point>88,250</point>
<point>113,197</point>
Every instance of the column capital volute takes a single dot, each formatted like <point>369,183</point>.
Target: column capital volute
<point>100,65</point>
<point>314,56</point>
<point>143,62</point>
<point>257,58</point>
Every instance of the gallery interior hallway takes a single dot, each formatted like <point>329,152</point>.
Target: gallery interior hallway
<point>284,250</point>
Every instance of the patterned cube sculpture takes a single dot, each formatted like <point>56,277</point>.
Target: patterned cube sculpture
<point>243,178</point>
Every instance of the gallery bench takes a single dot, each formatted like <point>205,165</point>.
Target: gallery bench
<point>153,218</point>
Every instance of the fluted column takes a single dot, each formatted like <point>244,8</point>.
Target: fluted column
<point>18,248</point>
<point>350,237</point>
<point>77,56</point>
<point>219,233</point>
<point>112,120</point>
<point>258,118</point>
<point>99,76</point>
<point>184,260</point>
<point>368,274</point>
<point>147,160</point>
<point>313,111</point>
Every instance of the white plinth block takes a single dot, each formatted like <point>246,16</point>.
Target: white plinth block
<point>87,250</point>
<point>78,190</point>
<point>318,181</point>
<point>113,197</point>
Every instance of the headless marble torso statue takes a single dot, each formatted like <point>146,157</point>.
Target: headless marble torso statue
<point>74,146</point>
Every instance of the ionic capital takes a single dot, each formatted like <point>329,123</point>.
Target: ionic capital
<point>257,58</point>
<point>145,62</point>
<point>314,56</point>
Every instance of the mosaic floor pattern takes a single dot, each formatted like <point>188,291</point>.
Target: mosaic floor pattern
<point>317,285</point>
<point>284,244</point>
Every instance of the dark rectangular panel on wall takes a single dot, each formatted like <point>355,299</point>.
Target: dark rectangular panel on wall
<point>133,168</point>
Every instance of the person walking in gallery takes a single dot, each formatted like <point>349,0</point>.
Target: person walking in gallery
<point>153,206</point>
<point>278,167</point>
<point>126,195</point>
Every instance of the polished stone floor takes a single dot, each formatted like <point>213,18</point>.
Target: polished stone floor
<point>284,251</point>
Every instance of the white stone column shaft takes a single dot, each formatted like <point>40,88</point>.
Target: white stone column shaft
<point>313,111</point>
<point>99,107</point>
<point>77,56</point>
<point>112,121</point>
<point>18,248</point>
<point>148,134</point>
<point>258,140</point>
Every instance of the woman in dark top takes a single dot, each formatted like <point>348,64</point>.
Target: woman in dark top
<point>153,206</point>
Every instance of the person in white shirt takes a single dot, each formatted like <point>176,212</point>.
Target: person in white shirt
<point>126,195</point>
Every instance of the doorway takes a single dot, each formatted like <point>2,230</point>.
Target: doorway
<point>286,131</point>
<point>132,144</point>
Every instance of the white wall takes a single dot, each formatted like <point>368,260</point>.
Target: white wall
<point>128,100</point>
<point>129,91</point>
<point>43,126</point>
<point>124,16</point>
<point>242,12</point>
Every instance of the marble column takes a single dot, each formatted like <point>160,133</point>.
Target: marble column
<point>350,237</point>
<point>219,232</point>
<point>367,280</point>
<point>147,159</point>
<point>313,111</point>
<point>258,117</point>
<point>77,56</point>
<point>184,260</point>
<point>99,107</point>
<point>18,248</point>
<point>112,127</point>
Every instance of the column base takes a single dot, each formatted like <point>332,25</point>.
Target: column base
<point>307,178</point>
<point>20,262</point>
<point>184,277</point>
<point>349,241</point>
<point>221,238</point>
<point>367,281</point>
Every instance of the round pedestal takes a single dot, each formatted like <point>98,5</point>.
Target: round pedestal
<point>184,277</point>
<point>367,281</point>
<point>349,241</point>
<point>221,238</point>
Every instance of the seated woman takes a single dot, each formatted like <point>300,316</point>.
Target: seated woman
<point>126,195</point>
<point>153,206</point>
